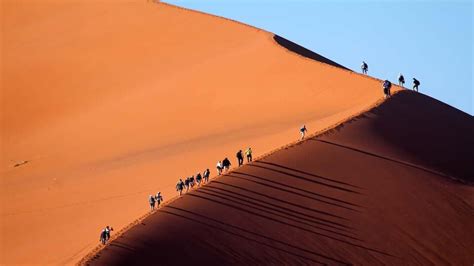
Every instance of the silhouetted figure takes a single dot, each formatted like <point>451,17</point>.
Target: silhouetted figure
<point>386,88</point>
<point>151,200</point>
<point>108,229</point>
<point>187,183</point>
<point>248,153</point>
<point>206,175</point>
<point>364,67</point>
<point>219,167</point>
<point>401,80</point>
<point>192,181</point>
<point>416,83</point>
<point>240,157</point>
<point>105,234</point>
<point>158,199</point>
<point>226,164</point>
<point>303,132</point>
<point>103,237</point>
<point>180,186</point>
<point>198,179</point>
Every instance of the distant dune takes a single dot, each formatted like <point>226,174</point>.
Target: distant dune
<point>106,102</point>
<point>341,198</point>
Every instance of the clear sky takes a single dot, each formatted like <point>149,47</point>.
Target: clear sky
<point>429,40</point>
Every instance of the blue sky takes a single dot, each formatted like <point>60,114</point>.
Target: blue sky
<point>429,40</point>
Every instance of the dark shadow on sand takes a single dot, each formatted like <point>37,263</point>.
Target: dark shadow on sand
<point>285,223</point>
<point>257,234</point>
<point>286,187</point>
<point>274,209</point>
<point>298,49</point>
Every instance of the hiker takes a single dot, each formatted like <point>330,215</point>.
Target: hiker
<point>386,88</point>
<point>191,181</point>
<point>248,152</point>
<point>240,157</point>
<point>401,80</point>
<point>180,186</point>
<point>158,199</point>
<point>198,179</point>
<point>416,83</point>
<point>219,167</point>
<point>103,237</point>
<point>364,67</point>
<point>206,175</point>
<point>107,232</point>
<point>303,131</point>
<point>151,200</point>
<point>226,164</point>
<point>186,183</point>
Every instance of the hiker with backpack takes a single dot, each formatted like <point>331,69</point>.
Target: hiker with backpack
<point>180,186</point>
<point>248,153</point>
<point>192,181</point>
<point>240,157</point>
<point>198,179</point>
<point>401,80</point>
<point>206,175</point>
<point>364,67</point>
<point>416,83</point>
<point>158,199</point>
<point>386,88</point>
<point>303,131</point>
<point>151,200</point>
<point>219,167</point>
<point>226,164</point>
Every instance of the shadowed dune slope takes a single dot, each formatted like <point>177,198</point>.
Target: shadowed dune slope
<point>106,102</point>
<point>304,52</point>
<point>332,199</point>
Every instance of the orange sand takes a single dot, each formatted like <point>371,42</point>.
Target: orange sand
<point>112,101</point>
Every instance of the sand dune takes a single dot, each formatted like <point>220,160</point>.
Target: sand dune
<point>110,101</point>
<point>353,195</point>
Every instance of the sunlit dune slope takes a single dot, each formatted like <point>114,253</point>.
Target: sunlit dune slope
<point>106,102</point>
<point>334,199</point>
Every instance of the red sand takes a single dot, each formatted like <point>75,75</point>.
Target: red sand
<point>350,196</point>
<point>105,103</point>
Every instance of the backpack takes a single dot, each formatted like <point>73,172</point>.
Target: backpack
<point>416,82</point>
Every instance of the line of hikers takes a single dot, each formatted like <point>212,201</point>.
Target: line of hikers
<point>387,85</point>
<point>222,166</point>
<point>192,181</point>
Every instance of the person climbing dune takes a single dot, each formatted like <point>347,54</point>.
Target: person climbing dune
<point>180,186</point>
<point>206,175</point>
<point>416,83</point>
<point>226,164</point>
<point>248,153</point>
<point>187,183</point>
<point>401,80</point>
<point>198,179</point>
<point>303,132</point>
<point>151,200</point>
<point>364,67</point>
<point>386,88</point>
<point>158,199</point>
<point>219,167</point>
<point>240,157</point>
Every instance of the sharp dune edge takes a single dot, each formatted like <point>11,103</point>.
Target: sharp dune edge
<point>109,102</point>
